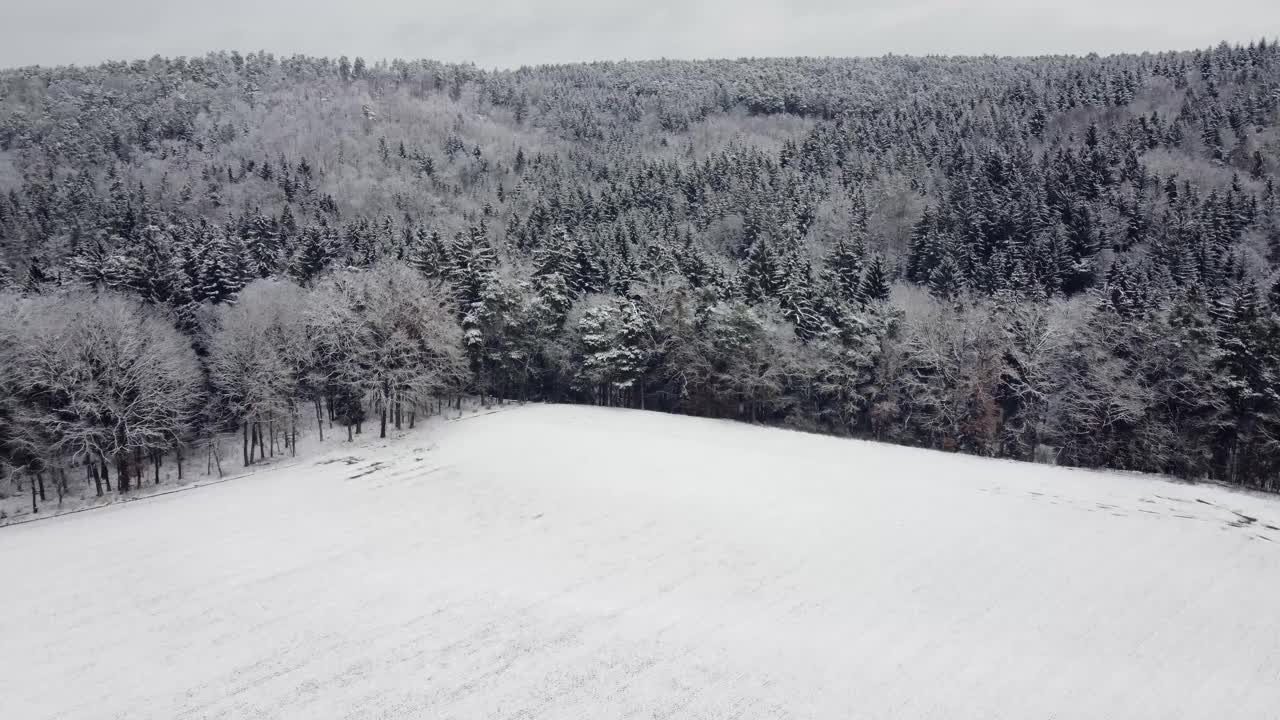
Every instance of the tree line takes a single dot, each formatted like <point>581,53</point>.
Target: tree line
<point>105,385</point>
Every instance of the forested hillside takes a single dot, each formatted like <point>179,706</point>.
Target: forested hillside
<point>1054,258</point>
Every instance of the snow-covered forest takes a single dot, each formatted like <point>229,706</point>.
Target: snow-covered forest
<point>1066,259</point>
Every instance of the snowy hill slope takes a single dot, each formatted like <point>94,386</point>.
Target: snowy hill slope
<point>568,562</point>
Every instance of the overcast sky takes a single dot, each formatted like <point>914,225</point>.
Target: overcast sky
<point>509,33</point>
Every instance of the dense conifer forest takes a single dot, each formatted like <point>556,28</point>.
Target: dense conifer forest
<point>1066,259</point>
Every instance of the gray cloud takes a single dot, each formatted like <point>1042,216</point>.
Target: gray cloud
<point>508,33</point>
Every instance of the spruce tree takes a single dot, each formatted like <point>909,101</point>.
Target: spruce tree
<point>428,254</point>
<point>844,267</point>
<point>875,286</point>
<point>759,273</point>
<point>262,242</point>
<point>315,253</point>
<point>1247,367</point>
<point>946,281</point>
<point>472,264</point>
<point>226,268</point>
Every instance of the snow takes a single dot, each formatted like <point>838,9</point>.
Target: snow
<point>568,562</point>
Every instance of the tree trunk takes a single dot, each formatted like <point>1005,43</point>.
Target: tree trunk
<point>349,437</point>
<point>122,472</point>
<point>156,459</point>
<point>97,479</point>
<point>293,439</point>
<point>34,507</point>
<point>413,415</point>
<point>216,459</point>
<point>319,420</point>
<point>177,449</point>
<point>40,481</point>
<point>247,460</point>
<point>383,430</point>
<point>106,474</point>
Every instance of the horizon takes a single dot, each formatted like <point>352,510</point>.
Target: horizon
<point>564,32</point>
<point>375,60</point>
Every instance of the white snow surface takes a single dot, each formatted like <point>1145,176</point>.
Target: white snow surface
<point>569,562</point>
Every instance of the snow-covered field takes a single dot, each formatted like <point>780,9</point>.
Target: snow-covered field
<point>567,562</point>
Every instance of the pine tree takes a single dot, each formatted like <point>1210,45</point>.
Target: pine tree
<point>926,248</point>
<point>589,274</point>
<point>262,242</point>
<point>614,360</point>
<point>472,265</point>
<point>1081,252</point>
<point>844,267</point>
<point>946,281</point>
<point>557,255</point>
<point>288,225</point>
<point>554,297</point>
<point>1127,291</point>
<point>316,252</point>
<point>36,277</point>
<point>795,293</point>
<point>694,264</point>
<point>428,254</point>
<point>1248,370</point>
<point>875,286</point>
<point>89,263</point>
<point>759,273</point>
<point>226,269</point>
